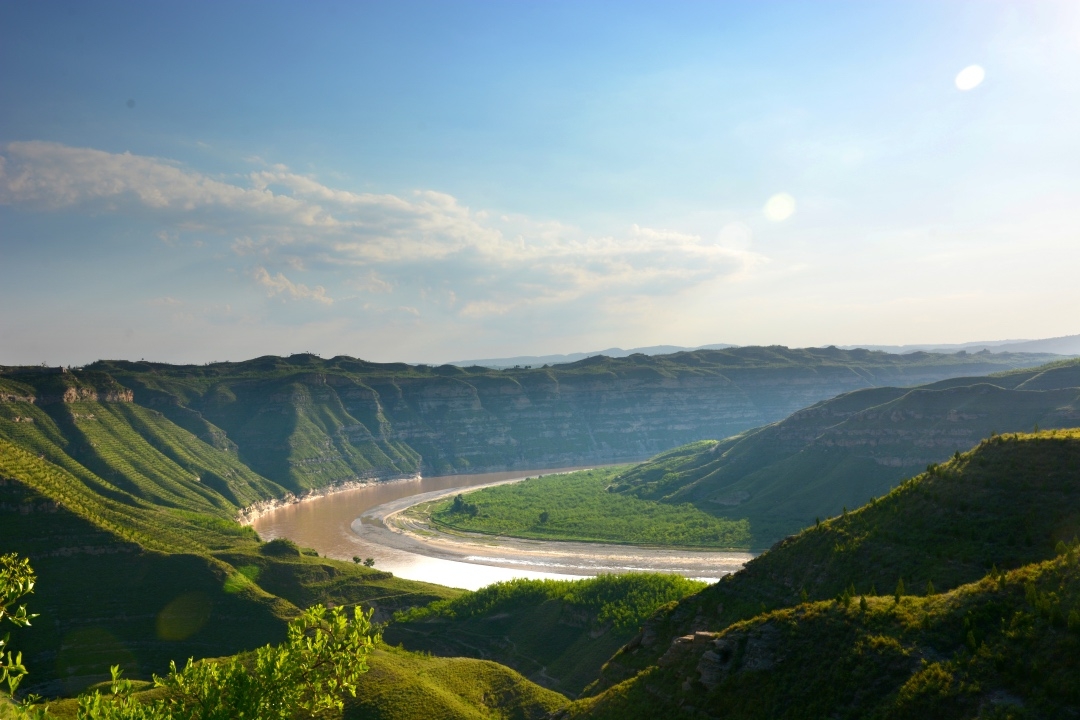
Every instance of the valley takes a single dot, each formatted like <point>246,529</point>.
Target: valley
<point>128,509</point>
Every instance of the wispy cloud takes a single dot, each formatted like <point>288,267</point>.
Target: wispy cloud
<point>280,285</point>
<point>372,242</point>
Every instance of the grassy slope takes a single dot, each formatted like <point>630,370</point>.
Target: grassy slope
<point>557,633</point>
<point>844,451</point>
<point>1007,646</point>
<point>411,686</point>
<point>579,507</point>
<point>408,686</point>
<point>102,496</point>
<point>1008,503</point>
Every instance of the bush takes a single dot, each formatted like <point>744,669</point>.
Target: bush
<point>281,547</point>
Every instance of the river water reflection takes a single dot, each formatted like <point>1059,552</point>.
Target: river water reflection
<point>327,525</point>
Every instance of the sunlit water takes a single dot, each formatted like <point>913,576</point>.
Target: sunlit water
<point>330,524</point>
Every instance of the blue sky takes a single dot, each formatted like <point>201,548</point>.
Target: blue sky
<point>437,181</point>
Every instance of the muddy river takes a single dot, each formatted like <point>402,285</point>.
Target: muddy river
<point>368,522</point>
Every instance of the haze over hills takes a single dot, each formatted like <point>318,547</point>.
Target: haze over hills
<point>537,360</point>
<point>1067,345</point>
<point>304,422</point>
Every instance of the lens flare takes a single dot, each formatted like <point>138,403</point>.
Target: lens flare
<point>184,616</point>
<point>736,235</point>
<point>970,77</point>
<point>780,207</point>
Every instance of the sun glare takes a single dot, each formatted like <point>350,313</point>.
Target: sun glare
<point>780,207</point>
<point>970,77</point>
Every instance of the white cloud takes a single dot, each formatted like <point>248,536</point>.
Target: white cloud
<point>377,243</point>
<point>279,284</point>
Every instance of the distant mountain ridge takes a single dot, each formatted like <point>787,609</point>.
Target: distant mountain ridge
<point>1066,345</point>
<point>306,422</point>
<point>614,352</point>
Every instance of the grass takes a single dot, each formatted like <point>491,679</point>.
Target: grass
<point>112,563</point>
<point>1005,646</point>
<point>578,506</point>
<point>844,451</point>
<point>1007,503</point>
<point>401,685</point>
<point>555,632</point>
<point>410,686</point>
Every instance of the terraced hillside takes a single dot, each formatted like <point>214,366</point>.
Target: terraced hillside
<point>1012,502</point>
<point>305,422</point>
<point>843,451</point>
<point>128,520</point>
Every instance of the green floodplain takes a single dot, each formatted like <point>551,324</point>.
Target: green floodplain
<point>922,561</point>
<point>579,506</point>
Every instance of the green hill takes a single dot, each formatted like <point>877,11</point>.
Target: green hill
<point>1008,503</point>
<point>555,632</point>
<point>842,452</point>
<point>401,685</point>
<point>128,520</point>
<point>1006,646</point>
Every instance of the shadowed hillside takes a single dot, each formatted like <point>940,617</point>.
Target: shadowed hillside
<point>1010,502</point>
<point>1006,646</point>
<point>128,520</point>
<point>842,452</point>
<point>555,632</point>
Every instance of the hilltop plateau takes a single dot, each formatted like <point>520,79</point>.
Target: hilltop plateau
<point>305,422</point>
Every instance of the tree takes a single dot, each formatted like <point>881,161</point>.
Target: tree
<point>356,559</point>
<point>308,675</point>
<point>369,562</point>
<point>544,517</point>
<point>16,582</point>
<point>899,590</point>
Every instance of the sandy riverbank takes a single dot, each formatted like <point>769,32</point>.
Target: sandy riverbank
<point>251,513</point>
<point>390,525</point>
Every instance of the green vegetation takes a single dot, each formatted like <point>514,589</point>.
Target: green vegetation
<point>16,582</point>
<point>305,422</point>
<point>126,503</point>
<point>578,506</point>
<point>1013,501</point>
<point>401,685</point>
<point>1006,646</point>
<point>556,632</point>
<point>624,601</point>
<point>844,451</point>
<point>411,686</point>
<point>320,670</point>
<point>149,566</point>
<point>307,676</point>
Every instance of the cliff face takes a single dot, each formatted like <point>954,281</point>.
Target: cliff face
<point>305,422</point>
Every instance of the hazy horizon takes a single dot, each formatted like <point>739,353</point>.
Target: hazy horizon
<point>429,182</point>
